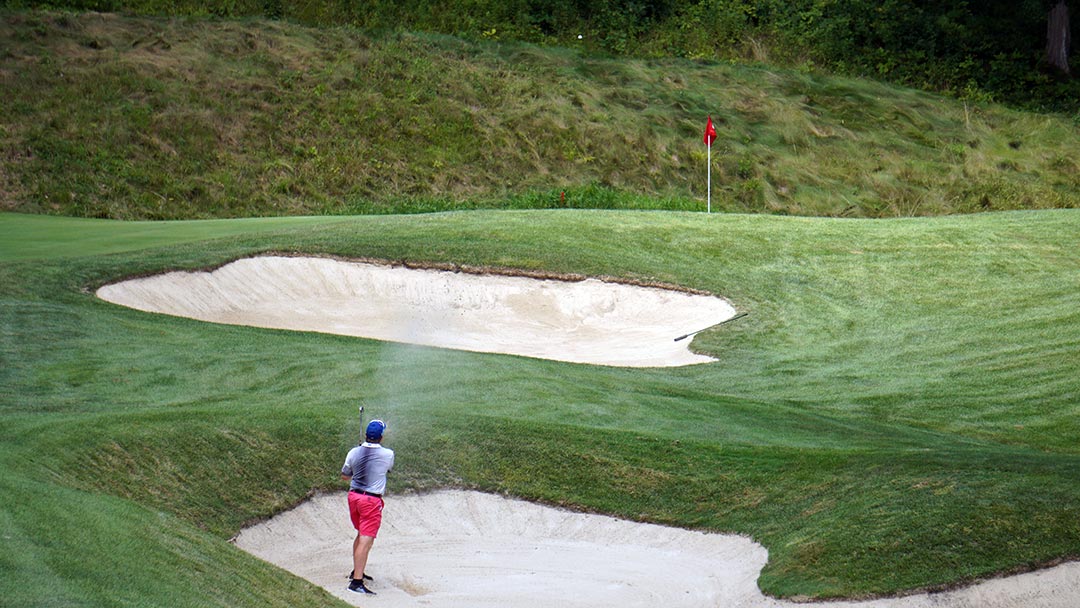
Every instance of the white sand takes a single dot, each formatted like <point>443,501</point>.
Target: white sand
<point>587,321</point>
<point>457,549</point>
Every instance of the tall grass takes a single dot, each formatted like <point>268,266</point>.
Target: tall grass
<point>153,118</point>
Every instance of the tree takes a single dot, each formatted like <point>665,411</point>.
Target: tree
<point>1058,37</point>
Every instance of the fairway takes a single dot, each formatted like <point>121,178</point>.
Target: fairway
<point>899,412</point>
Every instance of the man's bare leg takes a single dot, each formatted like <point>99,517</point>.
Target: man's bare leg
<point>361,549</point>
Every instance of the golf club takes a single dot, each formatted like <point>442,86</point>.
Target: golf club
<point>738,316</point>
<point>361,422</point>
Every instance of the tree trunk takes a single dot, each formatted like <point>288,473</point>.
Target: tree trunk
<point>1058,38</point>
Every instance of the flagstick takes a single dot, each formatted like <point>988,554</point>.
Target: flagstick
<point>708,196</point>
<point>710,137</point>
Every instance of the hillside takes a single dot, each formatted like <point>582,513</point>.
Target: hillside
<point>154,118</point>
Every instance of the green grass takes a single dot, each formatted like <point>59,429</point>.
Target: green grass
<point>899,410</point>
<point>37,237</point>
<point>154,118</point>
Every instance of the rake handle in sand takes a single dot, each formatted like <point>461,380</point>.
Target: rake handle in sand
<point>738,316</point>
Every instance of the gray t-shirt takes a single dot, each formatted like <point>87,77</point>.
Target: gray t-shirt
<point>368,464</point>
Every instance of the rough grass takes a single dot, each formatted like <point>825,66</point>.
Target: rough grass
<point>899,410</point>
<point>154,118</point>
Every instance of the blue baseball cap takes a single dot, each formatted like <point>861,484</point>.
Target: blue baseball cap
<point>375,430</point>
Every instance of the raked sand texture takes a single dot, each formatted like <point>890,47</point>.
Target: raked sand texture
<point>587,321</point>
<point>458,549</point>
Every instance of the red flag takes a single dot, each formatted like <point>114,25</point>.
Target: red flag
<point>710,133</point>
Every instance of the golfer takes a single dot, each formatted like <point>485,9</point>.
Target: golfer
<point>366,467</point>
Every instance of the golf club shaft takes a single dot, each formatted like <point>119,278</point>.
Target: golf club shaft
<point>738,316</point>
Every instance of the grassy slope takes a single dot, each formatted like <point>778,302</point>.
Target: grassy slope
<point>108,116</point>
<point>899,411</point>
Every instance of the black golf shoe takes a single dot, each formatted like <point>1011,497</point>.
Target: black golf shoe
<point>357,586</point>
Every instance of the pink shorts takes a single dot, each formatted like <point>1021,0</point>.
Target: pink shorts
<point>366,513</point>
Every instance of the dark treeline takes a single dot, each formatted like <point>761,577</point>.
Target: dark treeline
<point>1012,51</point>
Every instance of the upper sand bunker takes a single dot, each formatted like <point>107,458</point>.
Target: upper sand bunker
<point>586,321</point>
<point>462,549</point>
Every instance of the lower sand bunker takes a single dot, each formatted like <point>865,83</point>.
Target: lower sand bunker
<point>588,321</point>
<point>454,549</point>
